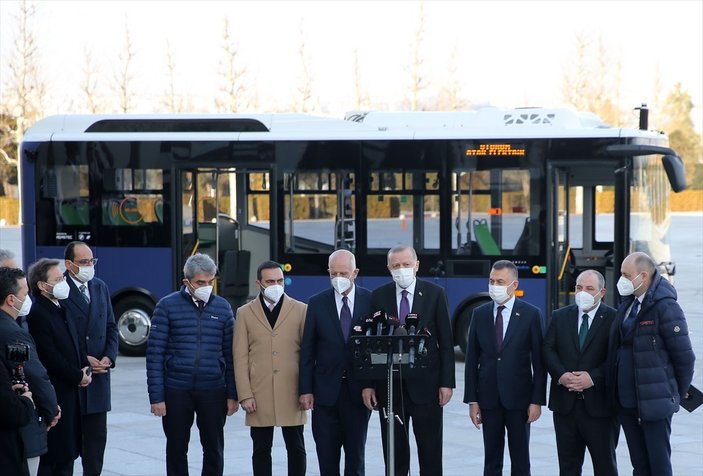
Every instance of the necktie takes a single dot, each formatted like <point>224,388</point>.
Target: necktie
<point>82,289</point>
<point>629,323</point>
<point>201,305</point>
<point>345,318</point>
<point>404,307</point>
<point>499,328</point>
<point>583,331</point>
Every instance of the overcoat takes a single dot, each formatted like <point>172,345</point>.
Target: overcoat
<point>266,362</point>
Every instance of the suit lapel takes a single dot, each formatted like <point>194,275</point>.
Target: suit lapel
<point>573,327</point>
<point>259,314</point>
<point>76,297</point>
<point>285,310</point>
<point>419,300</point>
<point>513,323</point>
<point>595,327</point>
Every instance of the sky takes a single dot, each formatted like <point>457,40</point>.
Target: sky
<point>508,53</point>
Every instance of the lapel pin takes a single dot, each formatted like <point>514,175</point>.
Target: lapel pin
<point>419,293</point>
<point>517,314</point>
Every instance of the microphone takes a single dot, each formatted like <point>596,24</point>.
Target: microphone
<point>380,318</point>
<point>411,322</point>
<point>393,324</point>
<point>424,333</point>
<point>368,325</point>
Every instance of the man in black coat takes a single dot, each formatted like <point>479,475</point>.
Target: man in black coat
<point>326,384</point>
<point>650,363</point>
<point>58,348</point>
<point>575,353</point>
<point>422,399</point>
<point>15,412</point>
<point>90,309</point>
<point>506,382</point>
<point>14,300</point>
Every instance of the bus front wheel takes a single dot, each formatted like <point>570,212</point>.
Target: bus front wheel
<point>463,322</point>
<point>133,314</point>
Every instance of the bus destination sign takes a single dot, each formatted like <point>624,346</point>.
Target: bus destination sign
<point>496,150</point>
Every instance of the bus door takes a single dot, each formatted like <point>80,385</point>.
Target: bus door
<point>585,222</point>
<point>210,225</point>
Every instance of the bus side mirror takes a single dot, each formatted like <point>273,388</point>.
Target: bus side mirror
<point>675,172</point>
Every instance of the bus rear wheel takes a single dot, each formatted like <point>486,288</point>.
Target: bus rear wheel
<point>133,314</point>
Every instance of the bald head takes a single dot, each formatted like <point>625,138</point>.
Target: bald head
<point>639,268</point>
<point>343,258</point>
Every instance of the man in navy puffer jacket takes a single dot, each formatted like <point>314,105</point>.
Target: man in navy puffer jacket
<point>650,363</point>
<point>189,367</point>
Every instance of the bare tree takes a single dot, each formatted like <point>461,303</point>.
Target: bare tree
<point>361,96</point>
<point>415,69</point>
<point>304,103</point>
<point>171,101</point>
<point>26,88</point>
<point>592,81</point>
<point>89,83</point>
<point>123,76</point>
<point>450,98</point>
<point>231,95</point>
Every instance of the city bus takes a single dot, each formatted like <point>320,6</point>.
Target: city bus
<point>552,190</point>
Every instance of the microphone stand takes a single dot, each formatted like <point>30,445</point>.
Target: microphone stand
<point>390,456</point>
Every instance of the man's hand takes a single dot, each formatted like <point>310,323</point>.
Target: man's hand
<point>96,365</point>
<point>580,382</point>
<point>106,362</point>
<point>248,404</point>
<point>475,415</point>
<point>368,395</point>
<point>56,418</point>
<point>533,412</point>
<point>306,401</point>
<point>567,379</point>
<point>232,406</point>
<point>158,409</point>
<point>24,391</point>
<point>445,394</point>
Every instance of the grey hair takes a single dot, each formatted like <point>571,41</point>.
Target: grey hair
<point>349,254</point>
<point>505,264</point>
<point>5,255</point>
<point>400,249</point>
<point>199,263</point>
<point>597,274</point>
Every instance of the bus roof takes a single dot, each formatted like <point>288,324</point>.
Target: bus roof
<point>486,123</point>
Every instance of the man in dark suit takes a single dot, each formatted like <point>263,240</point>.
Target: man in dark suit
<point>575,353</point>
<point>419,399</point>
<point>15,301</point>
<point>650,363</point>
<point>90,309</point>
<point>326,385</point>
<point>505,379</point>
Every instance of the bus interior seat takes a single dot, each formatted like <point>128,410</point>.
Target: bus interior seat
<point>74,213</point>
<point>470,248</point>
<point>528,243</point>
<point>485,240</point>
<point>159,210</point>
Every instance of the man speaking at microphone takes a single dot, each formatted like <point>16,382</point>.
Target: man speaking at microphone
<point>422,399</point>
<point>339,418</point>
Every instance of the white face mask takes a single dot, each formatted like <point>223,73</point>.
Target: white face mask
<point>627,287</point>
<point>26,306</point>
<point>273,293</point>
<point>85,273</point>
<point>403,277</point>
<point>60,290</point>
<point>499,293</point>
<point>202,293</point>
<point>585,301</point>
<point>341,284</point>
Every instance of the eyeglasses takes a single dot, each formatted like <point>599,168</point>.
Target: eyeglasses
<point>87,261</point>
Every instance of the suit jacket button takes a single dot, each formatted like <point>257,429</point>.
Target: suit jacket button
<point>275,371</point>
<point>275,352</point>
<point>498,358</point>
